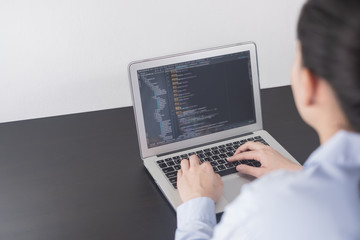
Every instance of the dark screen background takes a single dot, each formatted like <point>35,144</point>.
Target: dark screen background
<point>196,98</point>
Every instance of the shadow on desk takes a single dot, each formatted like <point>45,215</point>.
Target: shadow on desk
<point>80,176</point>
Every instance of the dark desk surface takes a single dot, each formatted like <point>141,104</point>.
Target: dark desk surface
<point>80,176</point>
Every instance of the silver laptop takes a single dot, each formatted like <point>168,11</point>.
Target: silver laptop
<point>204,102</point>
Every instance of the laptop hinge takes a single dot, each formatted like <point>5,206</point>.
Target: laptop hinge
<point>201,145</point>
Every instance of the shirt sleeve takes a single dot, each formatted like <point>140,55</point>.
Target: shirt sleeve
<point>196,219</point>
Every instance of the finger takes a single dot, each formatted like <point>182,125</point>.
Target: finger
<point>249,146</point>
<point>245,155</point>
<point>179,174</point>
<point>194,161</point>
<point>207,166</point>
<point>220,179</point>
<point>253,171</point>
<point>185,165</point>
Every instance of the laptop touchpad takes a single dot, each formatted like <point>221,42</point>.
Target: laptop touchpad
<point>233,184</point>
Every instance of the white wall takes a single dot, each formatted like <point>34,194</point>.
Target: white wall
<point>67,56</point>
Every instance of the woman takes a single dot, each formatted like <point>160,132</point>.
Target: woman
<point>321,200</point>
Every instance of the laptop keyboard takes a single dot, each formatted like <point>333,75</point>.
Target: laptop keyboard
<point>215,155</point>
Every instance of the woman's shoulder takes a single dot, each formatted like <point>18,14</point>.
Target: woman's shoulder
<point>294,201</point>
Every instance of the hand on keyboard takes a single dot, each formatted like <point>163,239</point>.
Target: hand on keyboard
<point>198,180</point>
<point>269,158</point>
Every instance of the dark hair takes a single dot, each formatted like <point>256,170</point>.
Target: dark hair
<point>329,33</point>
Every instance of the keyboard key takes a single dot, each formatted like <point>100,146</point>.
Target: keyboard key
<point>200,151</point>
<point>254,163</point>
<point>171,174</point>
<point>243,141</point>
<point>215,169</point>
<point>160,161</point>
<point>258,137</point>
<point>170,163</point>
<point>191,153</point>
<point>215,157</point>
<point>214,164</point>
<point>250,139</point>
<point>176,157</point>
<point>223,155</point>
<point>173,180</point>
<point>251,163</point>
<point>257,164</point>
<point>201,155</point>
<point>162,165</point>
<point>168,159</point>
<point>229,154</point>
<point>214,148</point>
<point>236,142</point>
<point>222,150</point>
<point>221,167</point>
<point>177,167</point>
<point>229,144</point>
<point>230,148</point>
<point>207,159</point>
<point>169,169</point>
<point>215,152</point>
<point>229,165</point>
<point>221,161</point>
<point>221,146</point>
<point>208,154</point>
<point>175,185</point>
<point>184,156</point>
<point>244,161</point>
<point>227,171</point>
<point>178,161</point>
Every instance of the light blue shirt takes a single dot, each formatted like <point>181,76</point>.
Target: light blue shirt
<point>320,202</point>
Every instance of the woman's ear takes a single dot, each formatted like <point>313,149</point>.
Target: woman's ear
<point>309,84</point>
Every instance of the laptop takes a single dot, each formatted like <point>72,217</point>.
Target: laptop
<point>205,102</point>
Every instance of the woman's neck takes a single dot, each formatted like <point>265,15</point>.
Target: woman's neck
<point>326,132</point>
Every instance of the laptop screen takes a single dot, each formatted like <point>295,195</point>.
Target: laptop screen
<point>195,98</point>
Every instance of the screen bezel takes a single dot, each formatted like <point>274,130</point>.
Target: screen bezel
<point>184,57</point>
